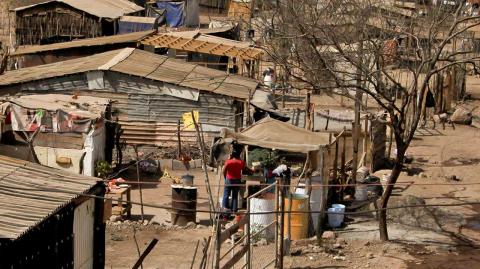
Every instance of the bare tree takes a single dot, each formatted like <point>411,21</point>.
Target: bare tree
<point>369,48</point>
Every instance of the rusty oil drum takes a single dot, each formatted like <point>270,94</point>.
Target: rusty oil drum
<point>183,197</point>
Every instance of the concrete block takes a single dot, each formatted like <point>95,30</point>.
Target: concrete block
<point>166,164</point>
<point>198,163</point>
<point>178,165</point>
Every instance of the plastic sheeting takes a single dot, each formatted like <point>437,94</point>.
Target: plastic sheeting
<point>174,12</point>
<point>275,134</point>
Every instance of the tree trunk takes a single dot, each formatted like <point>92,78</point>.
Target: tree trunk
<point>382,213</point>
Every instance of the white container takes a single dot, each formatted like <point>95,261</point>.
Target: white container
<point>361,192</point>
<point>258,221</point>
<point>335,217</point>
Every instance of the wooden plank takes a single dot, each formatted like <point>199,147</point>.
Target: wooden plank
<point>233,229</point>
<point>230,263</point>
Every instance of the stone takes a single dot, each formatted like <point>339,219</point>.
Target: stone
<point>200,226</point>
<point>311,258</point>
<point>337,246</point>
<point>341,241</point>
<point>145,222</point>
<point>367,243</point>
<point>329,235</point>
<point>115,218</point>
<point>191,225</point>
<point>370,256</point>
<point>423,175</point>
<point>262,242</point>
<point>116,237</point>
<point>339,258</point>
<point>461,116</point>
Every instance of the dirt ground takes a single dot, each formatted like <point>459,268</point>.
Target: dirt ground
<point>438,155</point>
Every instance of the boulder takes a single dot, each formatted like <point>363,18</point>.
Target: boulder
<point>462,116</point>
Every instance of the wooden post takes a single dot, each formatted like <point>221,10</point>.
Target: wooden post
<point>282,225</point>
<point>248,255</point>
<point>218,244</point>
<point>194,255</point>
<point>179,142</point>
<point>138,180</point>
<point>355,148</point>
<point>289,222</point>
<point>248,121</point>
<point>365,141</point>
<point>277,191</point>
<point>390,142</point>
<point>283,96</point>
<point>335,160</point>
<point>323,202</point>
<point>343,157</point>
<point>145,253</point>
<point>204,165</point>
<point>312,115</point>
<point>307,112</point>
<point>328,119</point>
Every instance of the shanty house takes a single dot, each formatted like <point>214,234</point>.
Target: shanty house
<point>33,55</point>
<point>49,217</point>
<point>61,131</point>
<point>54,21</point>
<point>150,92</point>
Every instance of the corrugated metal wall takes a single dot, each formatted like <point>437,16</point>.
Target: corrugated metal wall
<point>147,117</point>
<point>83,229</point>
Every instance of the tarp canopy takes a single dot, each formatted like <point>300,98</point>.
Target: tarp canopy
<point>275,134</point>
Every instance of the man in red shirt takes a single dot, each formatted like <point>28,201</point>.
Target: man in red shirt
<point>232,172</point>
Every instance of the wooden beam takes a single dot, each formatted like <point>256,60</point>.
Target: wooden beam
<point>236,257</point>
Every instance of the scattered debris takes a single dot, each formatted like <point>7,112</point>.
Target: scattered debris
<point>329,235</point>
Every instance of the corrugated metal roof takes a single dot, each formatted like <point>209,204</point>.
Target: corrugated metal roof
<point>143,64</point>
<point>111,9</point>
<point>29,193</point>
<point>89,42</point>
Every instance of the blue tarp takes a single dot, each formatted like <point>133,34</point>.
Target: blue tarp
<point>174,12</point>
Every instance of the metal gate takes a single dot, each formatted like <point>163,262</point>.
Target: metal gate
<point>83,229</point>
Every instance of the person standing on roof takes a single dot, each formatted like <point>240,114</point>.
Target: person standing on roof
<point>232,172</point>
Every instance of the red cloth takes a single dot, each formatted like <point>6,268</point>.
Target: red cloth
<point>233,168</point>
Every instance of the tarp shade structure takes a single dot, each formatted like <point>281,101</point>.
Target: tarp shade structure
<point>275,134</point>
<point>174,12</point>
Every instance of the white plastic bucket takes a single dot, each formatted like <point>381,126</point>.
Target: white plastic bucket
<point>361,192</point>
<point>335,217</point>
<point>258,221</point>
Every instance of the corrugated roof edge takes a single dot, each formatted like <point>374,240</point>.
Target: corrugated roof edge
<point>56,210</point>
<point>27,165</point>
<point>88,42</point>
<point>96,15</point>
